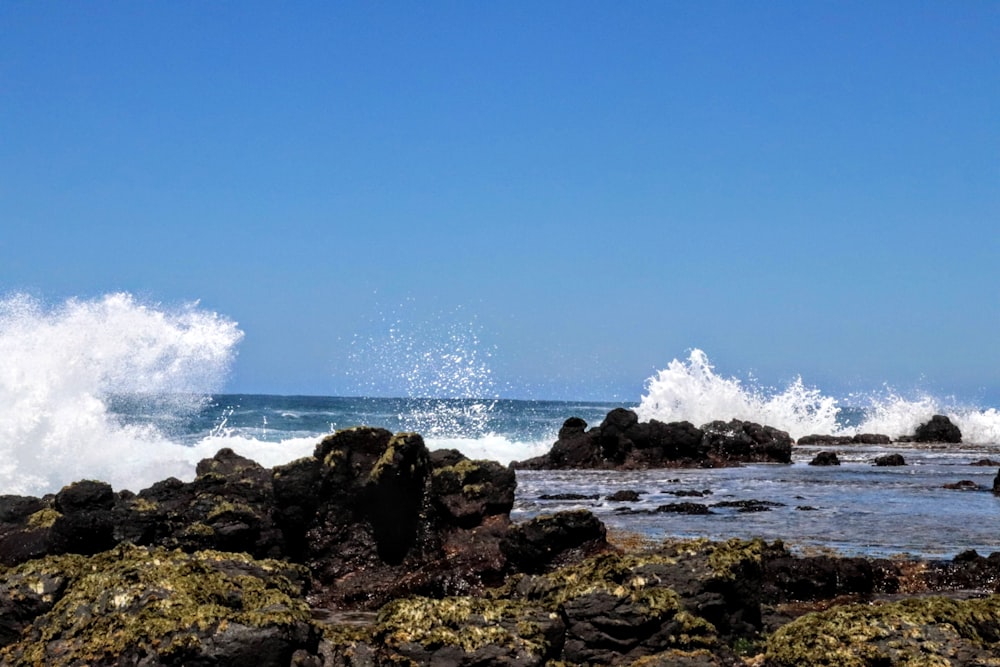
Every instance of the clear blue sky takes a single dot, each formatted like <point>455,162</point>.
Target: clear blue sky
<point>795,187</point>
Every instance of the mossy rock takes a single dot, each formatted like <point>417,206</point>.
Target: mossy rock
<point>165,607</point>
<point>469,630</point>
<point>931,631</point>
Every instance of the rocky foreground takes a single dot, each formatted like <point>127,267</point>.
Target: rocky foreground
<point>375,551</point>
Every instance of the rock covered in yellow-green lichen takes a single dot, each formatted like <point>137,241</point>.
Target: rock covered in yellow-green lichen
<point>137,605</point>
<point>470,630</point>
<point>685,596</point>
<point>929,631</point>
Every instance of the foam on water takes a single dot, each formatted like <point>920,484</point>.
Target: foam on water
<point>79,381</point>
<point>691,390</point>
<point>60,366</point>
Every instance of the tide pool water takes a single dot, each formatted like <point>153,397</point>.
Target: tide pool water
<point>116,390</point>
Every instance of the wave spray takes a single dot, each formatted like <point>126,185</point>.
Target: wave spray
<point>62,366</point>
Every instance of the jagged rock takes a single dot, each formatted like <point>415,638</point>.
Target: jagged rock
<point>622,441</point>
<point>825,459</point>
<point>744,442</point>
<point>962,485</point>
<point>135,605</point>
<point>938,429</point>
<point>889,460</point>
<point>930,630</point>
<point>537,544</point>
<point>469,631</point>
<point>229,507</point>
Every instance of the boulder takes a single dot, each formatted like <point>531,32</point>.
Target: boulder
<point>938,429</point>
<point>825,459</point>
<point>889,460</point>
<point>624,496</point>
<point>150,606</point>
<point>621,441</point>
<point>739,441</point>
<point>538,544</point>
<point>871,439</point>
<point>924,631</point>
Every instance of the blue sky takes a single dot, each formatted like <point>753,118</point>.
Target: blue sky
<point>591,188</point>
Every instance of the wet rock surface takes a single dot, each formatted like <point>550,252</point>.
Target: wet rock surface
<point>825,459</point>
<point>621,441</point>
<point>938,429</point>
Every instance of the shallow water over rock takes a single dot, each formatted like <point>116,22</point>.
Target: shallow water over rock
<point>856,508</point>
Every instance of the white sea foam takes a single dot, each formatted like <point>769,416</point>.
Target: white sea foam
<point>492,446</point>
<point>692,391</point>
<point>60,365</point>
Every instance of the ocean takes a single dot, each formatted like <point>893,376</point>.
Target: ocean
<point>114,390</point>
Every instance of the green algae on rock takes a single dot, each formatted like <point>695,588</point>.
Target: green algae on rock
<point>159,606</point>
<point>427,630</point>
<point>929,631</point>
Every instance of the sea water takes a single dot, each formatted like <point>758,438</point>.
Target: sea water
<point>126,392</point>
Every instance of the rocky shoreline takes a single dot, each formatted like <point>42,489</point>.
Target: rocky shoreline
<point>375,551</point>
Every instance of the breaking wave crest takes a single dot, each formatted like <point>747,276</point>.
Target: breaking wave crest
<point>691,390</point>
<point>63,364</point>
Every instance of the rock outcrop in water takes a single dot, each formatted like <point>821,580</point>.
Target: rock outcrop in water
<point>938,429</point>
<point>623,442</point>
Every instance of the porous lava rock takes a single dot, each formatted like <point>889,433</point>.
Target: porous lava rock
<point>621,441</point>
<point>825,459</point>
<point>152,606</point>
<point>938,429</point>
<point>889,460</point>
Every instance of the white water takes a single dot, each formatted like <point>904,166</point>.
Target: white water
<point>694,392</point>
<point>60,364</point>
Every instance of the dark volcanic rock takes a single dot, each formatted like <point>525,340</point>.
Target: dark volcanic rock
<point>536,545</point>
<point>230,506</point>
<point>871,439</point>
<point>569,496</point>
<point>140,606</point>
<point>745,442</point>
<point>624,496</point>
<point>825,459</point>
<point>825,440</point>
<point>806,578</point>
<point>962,485</point>
<point>938,429</point>
<point>890,460</point>
<point>749,505</point>
<point>684,508</point>
<point>622,441</point>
